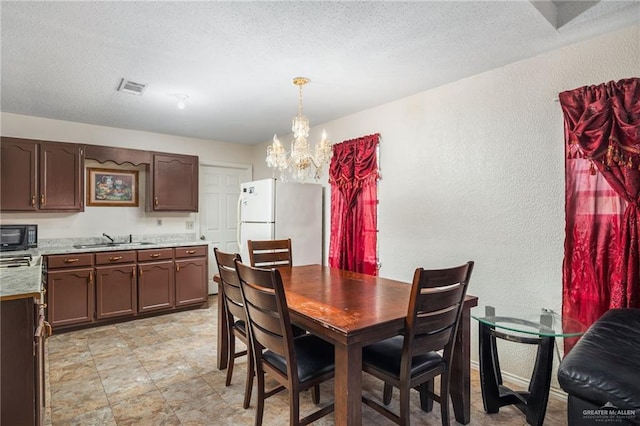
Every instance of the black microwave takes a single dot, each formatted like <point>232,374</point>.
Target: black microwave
<point>18,237</point>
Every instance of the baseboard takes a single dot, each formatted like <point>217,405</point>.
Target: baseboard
<point>554,392</point>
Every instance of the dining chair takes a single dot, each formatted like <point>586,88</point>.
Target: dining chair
<point>270,253</point>
<point>411,360</point>
<point>297,364</point>
<point>236,318</point>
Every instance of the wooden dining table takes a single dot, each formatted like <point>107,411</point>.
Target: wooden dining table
<point>352,310</point>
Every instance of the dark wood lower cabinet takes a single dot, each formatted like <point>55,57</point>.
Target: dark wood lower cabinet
<point>88,289</point>
<point>116,291</point>
<point>191,281</point>
<point>70,297</point>
<point>22,333</point>
<point>156,286</point>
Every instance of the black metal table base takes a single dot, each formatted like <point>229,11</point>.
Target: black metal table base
<point>495,395</point>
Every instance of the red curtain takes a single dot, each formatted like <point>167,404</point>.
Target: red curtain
<point>602,264</point>
<point>353,175</point>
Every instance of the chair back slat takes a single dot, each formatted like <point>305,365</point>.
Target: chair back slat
<point>434,310</point>
<point>432,342</point>
<point>432,322</point>
<point>267,312</point>
<point>266,319</point>
<point>442,277</point>
<point>270,253</point>
<point>275,342</point>
<point>437,298</point>
<point>230,283</point>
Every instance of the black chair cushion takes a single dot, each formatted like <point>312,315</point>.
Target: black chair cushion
<point>241,325</point>
<point>387,355</point>
<point>314,356</point>
<point>297,331</point>
<point>604,366</point>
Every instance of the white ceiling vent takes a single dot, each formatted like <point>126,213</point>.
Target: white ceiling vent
<point>131,87</point>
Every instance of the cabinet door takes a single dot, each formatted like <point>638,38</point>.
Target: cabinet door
<point>155,286</point>
<point>116,291</point>
<point>61,176</point>
<point>18,378</point>
<point>18,174</point>
<point>70,297</point>
<point>191,281</point>
<point>174,183</point>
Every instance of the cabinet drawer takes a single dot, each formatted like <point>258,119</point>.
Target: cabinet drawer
<point>69,260</point>
<point>155,254</point>
<point>193,251</point>
<point>115,257</point>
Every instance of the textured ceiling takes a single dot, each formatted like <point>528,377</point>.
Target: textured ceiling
<point>236,60</point>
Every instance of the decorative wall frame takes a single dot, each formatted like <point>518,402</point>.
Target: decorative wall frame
<point>112,187</point>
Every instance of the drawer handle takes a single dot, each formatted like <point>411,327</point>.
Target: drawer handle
<point>154,255</point>
<point>190,251</point>
<point>42,200</point>
<point>155,201</point>
<point>177,268</point>
<point>114,258</point>
<point>33,201</point>
<point>71,260</point>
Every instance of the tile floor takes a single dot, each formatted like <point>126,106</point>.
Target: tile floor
<point>162,371</point>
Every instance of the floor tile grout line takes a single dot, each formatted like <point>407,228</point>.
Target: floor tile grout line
<point>214,379</point>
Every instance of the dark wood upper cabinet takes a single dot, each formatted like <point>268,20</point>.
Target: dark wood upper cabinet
<point>49,176</point>
<point>61,176</point>
<point>18,179</point>
<point>173,183</point>
<point>41,176</point>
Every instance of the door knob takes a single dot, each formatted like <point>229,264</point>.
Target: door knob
<point>202,237</point>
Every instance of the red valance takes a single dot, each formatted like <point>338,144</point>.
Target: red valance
<point>602,122</point>
<point>355,162</point>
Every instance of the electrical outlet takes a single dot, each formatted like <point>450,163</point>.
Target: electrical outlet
<point>159,222</point>
<point>189,224</point>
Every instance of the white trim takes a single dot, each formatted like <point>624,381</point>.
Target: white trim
<point>229,165</point>
<point>556,393</point>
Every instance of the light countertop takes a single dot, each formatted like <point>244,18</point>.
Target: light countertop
<point>118,247</point>
<point>18,283</point>
<point>21,282</point>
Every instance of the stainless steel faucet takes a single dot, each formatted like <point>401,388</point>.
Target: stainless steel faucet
<point>110,239</point>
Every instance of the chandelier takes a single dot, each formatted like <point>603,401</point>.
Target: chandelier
<point>299,160</point>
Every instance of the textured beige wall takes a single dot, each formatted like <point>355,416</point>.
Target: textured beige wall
<point>475,170</point>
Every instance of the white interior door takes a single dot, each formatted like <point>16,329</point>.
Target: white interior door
<point>219,193</point>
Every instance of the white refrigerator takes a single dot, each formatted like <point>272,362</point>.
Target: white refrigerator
<point>271,209</point>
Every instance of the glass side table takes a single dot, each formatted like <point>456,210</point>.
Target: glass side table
<point>533,327</point>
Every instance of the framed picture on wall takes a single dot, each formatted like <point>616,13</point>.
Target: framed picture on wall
<point>112,187</point>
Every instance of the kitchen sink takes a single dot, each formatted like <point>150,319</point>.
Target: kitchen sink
<point>115,245</point>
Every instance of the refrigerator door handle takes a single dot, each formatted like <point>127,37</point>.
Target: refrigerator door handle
<point>239,223</point>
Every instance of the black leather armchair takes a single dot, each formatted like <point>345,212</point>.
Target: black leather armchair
<point>601,373</point>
